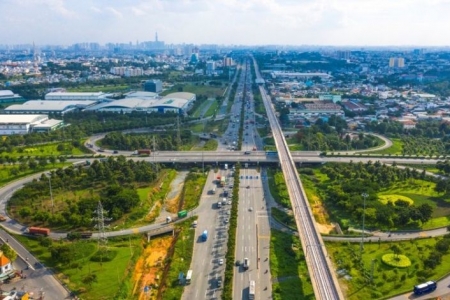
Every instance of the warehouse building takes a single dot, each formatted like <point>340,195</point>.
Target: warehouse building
<point>176,102</point>
<point>23,124</point>
<point>70,96</point>
<point>7,96</point>
<point>46,107</point>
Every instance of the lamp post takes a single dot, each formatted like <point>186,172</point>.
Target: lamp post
<point>364,195</point>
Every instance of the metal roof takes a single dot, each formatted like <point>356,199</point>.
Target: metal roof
<point>21,119</point>
<point>43,105</point>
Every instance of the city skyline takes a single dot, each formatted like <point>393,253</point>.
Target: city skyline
<point>230,22</point>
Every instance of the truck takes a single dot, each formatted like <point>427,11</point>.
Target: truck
<point>251,290</point>
<point>143,152</point>
<point>182,214</point>
<point>205,235</point>
<point>426,287</point>
<point>39,231</point>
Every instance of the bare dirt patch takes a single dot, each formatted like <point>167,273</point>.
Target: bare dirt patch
<point>149,266</point>
<point>321,215</point>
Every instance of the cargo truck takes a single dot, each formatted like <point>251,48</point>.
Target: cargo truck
<point>143,152</point>
<point>205,235</point>
<point>39,231</point>
<point>182,214</point>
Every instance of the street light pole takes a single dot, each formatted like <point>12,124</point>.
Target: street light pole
<point>364,195</point>
<point>51,194</point>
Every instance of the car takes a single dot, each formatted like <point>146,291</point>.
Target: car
<point>226,220</point>
<point>248,186</point>
<point>228,212</point>
<point>220,261</point>
<point>257,177</point>
<point>250,209</point>
<point>115,152</point>
<point>246,177</point>
<point>238,263</point>
<point>219,282</point>
<point>251,177</point>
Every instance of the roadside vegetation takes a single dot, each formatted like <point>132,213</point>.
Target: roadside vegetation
<point>397,267</point>
<point>192,190</point>
<point>278,189</point>
<point>77,190</point>
<point>10,173</point>
<point>288,268</point>
<point>78,264</point>
<point>396,198</point>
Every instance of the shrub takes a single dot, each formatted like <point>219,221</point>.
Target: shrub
<point>104,256</point>
<point>396,261</point>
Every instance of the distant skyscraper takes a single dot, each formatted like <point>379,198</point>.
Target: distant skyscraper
<point>156,37</point>
<point>396,62</point>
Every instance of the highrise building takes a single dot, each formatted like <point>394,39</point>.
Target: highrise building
<point>396,62</point>
<point>154,86</point>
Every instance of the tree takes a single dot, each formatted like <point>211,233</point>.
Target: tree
<point>426,210</point>
<point>396,249</point>
<point>8,252</point>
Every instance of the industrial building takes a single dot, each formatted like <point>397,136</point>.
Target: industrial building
<point>298,75</point>
<point>46,107</point>
<point>175,102</point>
<point>69,96</point>
<point>23,124</point>
<point>7,96</point>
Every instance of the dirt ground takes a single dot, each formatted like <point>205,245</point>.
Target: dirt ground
<point>321,216</point>
<point>149,266</point>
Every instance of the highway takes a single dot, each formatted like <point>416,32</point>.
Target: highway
<point>253,228</point>
<point>321,271</point>
<point>208,261</point>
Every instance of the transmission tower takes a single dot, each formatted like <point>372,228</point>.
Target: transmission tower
<point>101,226</point>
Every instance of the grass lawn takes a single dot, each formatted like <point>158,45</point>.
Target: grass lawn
<point>101,88</point>
<point>284,218</point>
<point>112,276</point>
<point>288,268</point>
<point>210,145</point>
<point>278,189</point>
<point>396,148</point>
<point>199,110</point>
<point>6,176</point>
<point>212,109</point>
<point>388,281</point>
<point>198,89</point>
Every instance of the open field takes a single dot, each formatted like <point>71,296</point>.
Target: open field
<point>387,281</point>
<point>6,176</point>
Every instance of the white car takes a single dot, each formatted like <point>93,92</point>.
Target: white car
<point>220,261</point>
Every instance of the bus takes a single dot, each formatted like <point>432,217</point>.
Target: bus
<point>426,287</point>
<point>271,153</point>
<point>252,290</point>
<point>189,277</point>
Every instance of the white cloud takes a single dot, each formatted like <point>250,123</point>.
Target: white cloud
<point>359,22</point>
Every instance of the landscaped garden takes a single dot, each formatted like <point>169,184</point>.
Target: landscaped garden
<point>389,268</point>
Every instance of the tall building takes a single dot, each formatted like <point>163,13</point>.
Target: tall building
<point>210,67</point>
<point>154,86</point>
<point>396,62</point>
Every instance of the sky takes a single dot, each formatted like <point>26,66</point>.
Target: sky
<point>227,22</point>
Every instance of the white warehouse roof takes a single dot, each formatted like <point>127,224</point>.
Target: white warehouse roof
<point>21,119</point>
<point>74,94</point>
<point>181,95</point>
<point>6,93</point>
<point>42,105</point>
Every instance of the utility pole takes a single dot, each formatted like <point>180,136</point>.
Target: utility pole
<point>154,152</point>
<point>364,195</point>
<point>51,193</point>
<point>178,131</point>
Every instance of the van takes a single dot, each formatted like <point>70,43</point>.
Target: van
<point>219,204</point>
